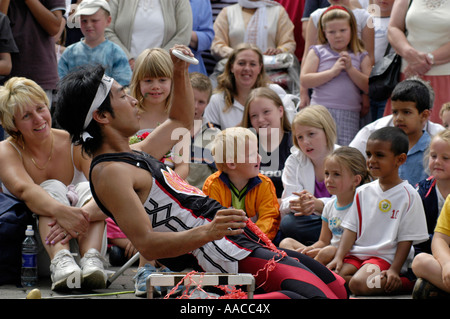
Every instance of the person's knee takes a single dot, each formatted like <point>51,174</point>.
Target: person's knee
<point>57,190</point>
<point>420,264</point>
<point>304,229</point>
<point>366,281</point>
<point>288,243</point>
<point>326,254</point>
<point>358,286</point>
<point>287,222</point>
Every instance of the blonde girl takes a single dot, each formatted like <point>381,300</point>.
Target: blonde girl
<point>444,115</point>
<point>152,86</point>
<point>304,194</point>
<point>338,70</point>
<point>365,32</point>
<point>345,169</point>
<point>429,265</point>
<point>435,189</point>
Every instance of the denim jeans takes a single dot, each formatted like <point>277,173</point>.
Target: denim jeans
<point>377,109</point>
<point>305,229</point>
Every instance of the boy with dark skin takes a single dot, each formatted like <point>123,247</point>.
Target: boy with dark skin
<point>385,220</point>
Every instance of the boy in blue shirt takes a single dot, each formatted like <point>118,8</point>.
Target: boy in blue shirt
<point>411,107</point>
<point>94,17</point>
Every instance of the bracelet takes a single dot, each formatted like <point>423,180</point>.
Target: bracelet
<point>431,57</point>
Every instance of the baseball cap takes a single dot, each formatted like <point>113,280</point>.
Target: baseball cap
<point>89,7</point>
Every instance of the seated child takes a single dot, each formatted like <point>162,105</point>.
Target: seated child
<point>433,270</point>
<point>387,218</point>
<point>202,133</point>
<point>345,169</point>
<point>238,182</point>
<point>435,189</point>
<point>304,193</point>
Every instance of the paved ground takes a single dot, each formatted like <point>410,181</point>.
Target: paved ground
<point>123,284</point>
<point>113,304</point>
<point>120,288</point>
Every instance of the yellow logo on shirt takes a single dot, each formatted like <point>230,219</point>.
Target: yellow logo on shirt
<point>384,205</point>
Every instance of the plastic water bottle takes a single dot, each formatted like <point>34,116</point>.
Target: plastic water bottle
<point>29,275</point>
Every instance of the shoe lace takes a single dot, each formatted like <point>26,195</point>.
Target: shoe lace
<point>94,259</point>
<point>63,260</point>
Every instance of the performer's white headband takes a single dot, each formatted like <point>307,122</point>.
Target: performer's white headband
<point>102,93</point>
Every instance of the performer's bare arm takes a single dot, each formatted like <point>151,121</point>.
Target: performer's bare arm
<point>122,189</point>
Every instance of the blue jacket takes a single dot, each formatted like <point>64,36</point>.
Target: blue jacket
<point>427,191</point>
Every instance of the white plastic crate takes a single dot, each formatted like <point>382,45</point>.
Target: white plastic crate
<point>200,279</point>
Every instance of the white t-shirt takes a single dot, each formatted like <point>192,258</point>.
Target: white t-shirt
<point>381,39</point>
<point>148,28</point>
<point>333,216</point>
<point>428,27</point>
<point>384,219</point>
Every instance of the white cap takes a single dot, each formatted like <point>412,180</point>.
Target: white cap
<point>29,231</point>
<point>90,7</point>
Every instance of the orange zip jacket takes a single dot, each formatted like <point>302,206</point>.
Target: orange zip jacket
<point>261,204</point>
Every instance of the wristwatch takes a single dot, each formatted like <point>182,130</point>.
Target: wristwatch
<point>431,57</point>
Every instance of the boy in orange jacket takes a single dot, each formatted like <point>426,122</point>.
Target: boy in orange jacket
<point>238,183</point>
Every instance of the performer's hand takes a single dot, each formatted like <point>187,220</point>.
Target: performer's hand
<point>228,222</point>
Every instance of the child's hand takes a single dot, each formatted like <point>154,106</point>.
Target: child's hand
<point>335,264</point>
<point>304,204</point>
<point>365,106</point>
<point>446,275</point>
<point>393,281</point>
<point>130,250</point>
<point>345,56</point>
<point>310,251</point>
<point>338,66</point>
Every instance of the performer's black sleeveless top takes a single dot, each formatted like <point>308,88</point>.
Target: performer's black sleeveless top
<point>174,205</point>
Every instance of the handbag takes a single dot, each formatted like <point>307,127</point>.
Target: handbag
<point>384,76</point>
<point>14,218</point>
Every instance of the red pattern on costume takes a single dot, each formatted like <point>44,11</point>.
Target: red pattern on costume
<point>230,291</point>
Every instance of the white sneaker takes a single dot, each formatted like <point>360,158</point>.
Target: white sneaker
<point>92,265</point>
<point>65,273</point>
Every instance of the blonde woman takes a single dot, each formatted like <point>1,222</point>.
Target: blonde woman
<point>42,168</point>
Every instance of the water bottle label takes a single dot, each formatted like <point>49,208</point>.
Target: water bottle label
<point>29,260</point>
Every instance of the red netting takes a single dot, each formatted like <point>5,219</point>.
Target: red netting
<point>231,292</point>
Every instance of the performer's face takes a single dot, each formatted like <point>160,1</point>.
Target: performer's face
<point>126,114</point>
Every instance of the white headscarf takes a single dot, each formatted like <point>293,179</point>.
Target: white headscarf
<point>100,96</point>
<point>256,32</point>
